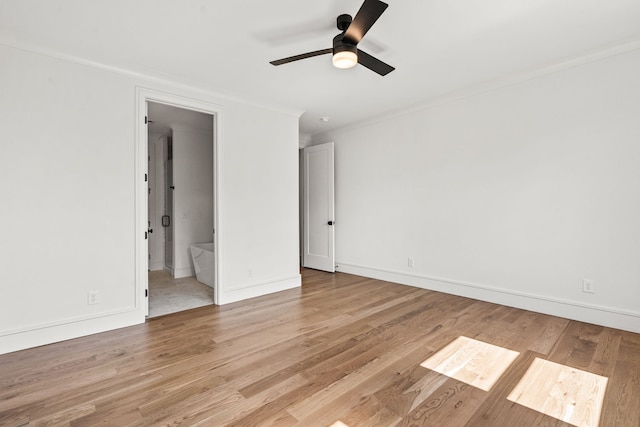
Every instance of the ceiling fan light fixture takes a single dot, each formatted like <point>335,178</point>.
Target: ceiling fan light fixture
<point>344,55</point>
<point>345,59</point>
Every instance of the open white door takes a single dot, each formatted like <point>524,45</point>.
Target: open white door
<point>318,208</point>
<point>144,272</point>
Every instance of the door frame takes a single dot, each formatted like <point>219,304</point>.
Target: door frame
<point>143,96</point>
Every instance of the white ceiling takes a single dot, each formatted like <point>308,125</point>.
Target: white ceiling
<point>438,47</point>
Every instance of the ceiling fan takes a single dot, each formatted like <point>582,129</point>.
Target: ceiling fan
<point>345,45</point>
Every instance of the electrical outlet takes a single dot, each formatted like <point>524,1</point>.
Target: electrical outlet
<point>411,262</point>
<point>588,287</point>
<point>93,298</point>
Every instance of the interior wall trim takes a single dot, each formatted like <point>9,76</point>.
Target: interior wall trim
<point>254,289</point>
<point>146,76</point>
<point>179,273</point>
<point>68,321</point>
<point>576,310</point>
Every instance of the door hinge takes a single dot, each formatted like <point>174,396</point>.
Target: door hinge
<point>146,120</point>
<point>145,177</point>
<point>146,293</point>
<point>146,235</point>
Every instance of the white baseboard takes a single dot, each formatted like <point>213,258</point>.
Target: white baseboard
<point>69,329</point>
<point>156,266</point>
<point>599,315</point>
<point>179,273</point>
<point>257,289</point>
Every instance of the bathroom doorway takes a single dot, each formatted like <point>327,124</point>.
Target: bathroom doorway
<point>181,206</point>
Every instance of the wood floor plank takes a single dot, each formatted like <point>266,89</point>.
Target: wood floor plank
<point>341,348</point>
<point>621,406</point>
<point>369,411</point>
<point>497,410</point>
<point>345,395</point>
<point>409,390</point>
<point>577,345</point>
<point>444,400</point>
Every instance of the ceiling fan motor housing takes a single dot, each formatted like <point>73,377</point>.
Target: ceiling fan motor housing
<point>339,45</point>
<point>343,22</point>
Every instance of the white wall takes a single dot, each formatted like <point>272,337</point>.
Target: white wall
<point>262,187</point>
<point>193,193</point>
<point>68,182</point>
<point>513,196</point>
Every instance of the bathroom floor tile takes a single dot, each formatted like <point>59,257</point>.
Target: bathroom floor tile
<point>169,295</point>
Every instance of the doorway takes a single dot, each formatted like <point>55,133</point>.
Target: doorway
<point>178,204</point>
<point>180,207</point>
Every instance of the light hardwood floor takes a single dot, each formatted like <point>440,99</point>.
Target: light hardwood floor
<point>343,350</point>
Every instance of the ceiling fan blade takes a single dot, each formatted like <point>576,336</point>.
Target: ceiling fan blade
<point>368,14</point>
<point>301,56</point>
<point>374,64</point>
<point>301,31</point>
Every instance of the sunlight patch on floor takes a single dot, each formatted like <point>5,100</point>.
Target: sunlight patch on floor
<point>568,394</point>
<point>473,362</point>
<point>338,424</point>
